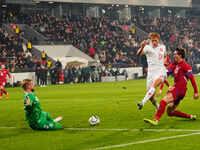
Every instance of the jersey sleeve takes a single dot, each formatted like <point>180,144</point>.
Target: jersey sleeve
<point>171,68</point>
<point>187,69</point>
<point>188,73</point>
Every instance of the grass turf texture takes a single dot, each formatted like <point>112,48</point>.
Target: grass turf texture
<point>115,104</point>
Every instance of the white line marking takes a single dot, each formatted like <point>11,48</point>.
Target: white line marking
<point>144,141</point>
<point>145,130</point>
<point>117,129</point>
<point>7,127</point>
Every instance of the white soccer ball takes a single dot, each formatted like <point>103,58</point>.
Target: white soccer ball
<point>94,120</point>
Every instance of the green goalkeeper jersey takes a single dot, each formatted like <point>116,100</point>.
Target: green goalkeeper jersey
<point>32,109</point>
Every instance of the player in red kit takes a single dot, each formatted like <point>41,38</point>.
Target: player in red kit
<point>3,80</point>
<point>166,63</point>
<point>182,73</point>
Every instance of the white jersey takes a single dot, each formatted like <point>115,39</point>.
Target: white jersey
<point>155,60</point>
<point>155,56</point>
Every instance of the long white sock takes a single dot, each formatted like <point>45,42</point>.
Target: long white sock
<point>148,95</point>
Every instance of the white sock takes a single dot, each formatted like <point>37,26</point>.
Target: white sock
<point>148,95</point>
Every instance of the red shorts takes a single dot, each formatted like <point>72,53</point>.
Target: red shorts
<point>178,94</point>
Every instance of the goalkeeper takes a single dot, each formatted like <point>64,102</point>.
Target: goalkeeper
<point>36,118</point>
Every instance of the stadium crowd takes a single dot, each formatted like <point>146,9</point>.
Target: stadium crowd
<point>112,42</point>
<point>13,52</point>
<point>102,38</point>
<point>175,32</point>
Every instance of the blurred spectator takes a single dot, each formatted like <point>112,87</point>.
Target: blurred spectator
<point>91,51</point>
<point>29,46</point>
<point>58,65</point>
<point>43,55</point>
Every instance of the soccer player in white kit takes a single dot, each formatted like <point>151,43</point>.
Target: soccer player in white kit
<point>155,54</point>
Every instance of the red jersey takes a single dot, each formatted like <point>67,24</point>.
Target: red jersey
<point>182,72</point>
<point>3,75</point>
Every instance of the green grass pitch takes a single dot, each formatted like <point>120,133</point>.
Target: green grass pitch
<point>115,104</point>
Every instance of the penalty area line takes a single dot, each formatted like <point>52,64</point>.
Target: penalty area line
<point>144,141</point>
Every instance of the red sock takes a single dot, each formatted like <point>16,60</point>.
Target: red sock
<point>181,114</point>
<point>166,82</point>
<point>161,86</point>
<point>161,110</point>
<point>4,91</point>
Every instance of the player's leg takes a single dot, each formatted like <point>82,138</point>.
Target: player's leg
<point>163,103</point>
<point>47,123</point>
<point>162,85</point>
<point>151,92</point>
<point>161,88</point>
<point>149,83</point>
<point>166,82</point>
<point>154,102</point>
<point>177,113</point>
<point>48,117</point>
<point>3,90</point>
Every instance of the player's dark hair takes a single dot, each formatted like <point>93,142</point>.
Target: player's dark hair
<point>25,82</point>
<point>181,52</point>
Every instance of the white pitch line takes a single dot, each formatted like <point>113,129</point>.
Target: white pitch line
<point>96,129</point>
<point>125,129</point>
<point>145,130</point>
<point>144,141</point>
<point>7,127</point>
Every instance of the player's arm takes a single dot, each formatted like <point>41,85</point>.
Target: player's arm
<point>141,50</point>
<point>192,80</point>
<point>170,69</point>
<point>27,102</point>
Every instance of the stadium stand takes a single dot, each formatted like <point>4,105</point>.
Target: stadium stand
<point>111,41</point>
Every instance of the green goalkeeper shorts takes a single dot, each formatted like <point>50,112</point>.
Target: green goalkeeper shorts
<point>47,123</point>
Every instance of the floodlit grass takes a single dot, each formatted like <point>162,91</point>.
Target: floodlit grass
<point>115,104</point>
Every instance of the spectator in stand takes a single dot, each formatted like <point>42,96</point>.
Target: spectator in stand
<point>58,65</point>
<point>37,72</point>
<point>29,46</point>
<point>43,76</point>
<point>49,64</point>
<point>91,51</point>
<point>17,30</point>
<point>44,55</point>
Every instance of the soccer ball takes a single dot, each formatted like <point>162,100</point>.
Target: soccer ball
<point>94,120</point>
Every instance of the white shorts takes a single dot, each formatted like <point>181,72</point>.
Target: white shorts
<point>153,76</point>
